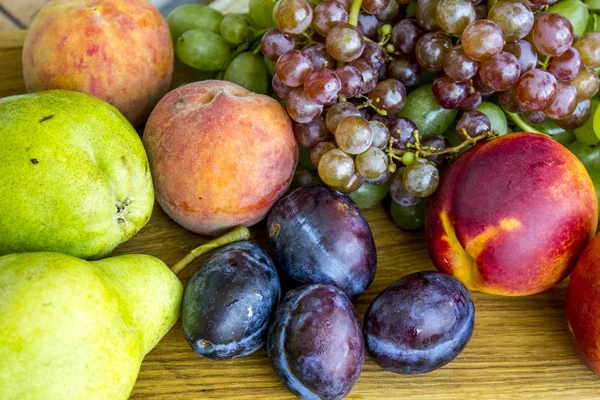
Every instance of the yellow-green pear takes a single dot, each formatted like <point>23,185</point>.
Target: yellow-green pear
<point>74,176</point>
<point>73,330</point>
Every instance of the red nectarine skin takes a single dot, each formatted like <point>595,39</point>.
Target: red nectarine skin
<point>117,50</point>
<point>582,306</point>
<point>220,155</point>
<point>511,215</point>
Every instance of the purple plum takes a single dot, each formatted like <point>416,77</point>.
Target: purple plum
<point>419,323</point>
<point>315,343</point>
<point>229,302</point>
<point>318,235</point>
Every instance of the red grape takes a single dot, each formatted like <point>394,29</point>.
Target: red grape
<point>293,67</point>
<point>274,43</point>
<point>327,15</point>
<point>405,35</point>
<point>293,16</point>
<point>552,34</point>
<point>472,124</point>
<point>565,102</point>
<point>319,56</point>
<point>579,116</point>
<point>345,42</point>
<point>406,69</point>
<point>311,133</point>
<point>536,89</point>
<point>351,79</point>
<point>471,102</point>
<point>300,108</point>
<point>388,95</point>
<point>482,39</point>
<point>374,6</point>
<point>369,74</point>
<point>513,17</point>
<point>524,52</point>
<point>500,72</point>
<point>567,66</point>
<point>432,48</point>
<point>448,92</point>
<point>459,66</point>
<point>322,86</point>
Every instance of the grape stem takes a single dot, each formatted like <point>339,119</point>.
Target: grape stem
<point>520,122</point>
<point>428,151</point>
<point>369,103</point>
<point>239,233</point>
<point>354,11</point>
<point>544,64</point>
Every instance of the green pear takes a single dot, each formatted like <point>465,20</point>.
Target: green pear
<point>74,176</point>
<point>72,329</point>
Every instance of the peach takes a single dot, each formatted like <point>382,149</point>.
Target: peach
<point>117,50</point>
<point>582,306</point>
<point>512,215</point>
<point>220,155</point>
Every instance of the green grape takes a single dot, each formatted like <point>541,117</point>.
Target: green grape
<point>369,195</point>
<point>270,66</point>
<point>235,29</point>
<point>304,160</point>
<point>336,168</point>
<point>408,158</point>
<point>575,11</point>
<point>596,121</point>
<point>410,9</point>
<point>261,13</point>
<point>585,133</point>
<point>193,16</point>
<point>423,109</point>
<point>496,116</point>
<point>565,138</point>
<point>593,5</point>
<point>451,135</point>
<point>590,158</point>
<point>593,22</point>
<point>559,134</point>
<point>409,218</point>
<point>249,71</point>
<point>203,50</point>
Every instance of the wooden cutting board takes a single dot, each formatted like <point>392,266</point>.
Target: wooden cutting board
<point>519,349</point>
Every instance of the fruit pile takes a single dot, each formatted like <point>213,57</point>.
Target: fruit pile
<point>379,97</point>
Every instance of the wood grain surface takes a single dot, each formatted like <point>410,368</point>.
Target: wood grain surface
<point>519,349</point>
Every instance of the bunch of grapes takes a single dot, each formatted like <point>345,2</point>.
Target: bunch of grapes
<point>344,67</point>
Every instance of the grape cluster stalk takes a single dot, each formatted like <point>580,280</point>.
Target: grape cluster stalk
<point>345,67</point>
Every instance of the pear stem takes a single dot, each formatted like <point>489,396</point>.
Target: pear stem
<point>239,233</point>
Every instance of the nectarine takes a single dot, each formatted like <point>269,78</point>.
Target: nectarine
<point>512,215</point>
<point>220,155</point>
<point>582,306</point>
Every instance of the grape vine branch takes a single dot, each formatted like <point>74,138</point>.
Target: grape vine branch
<point>423,151</point>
